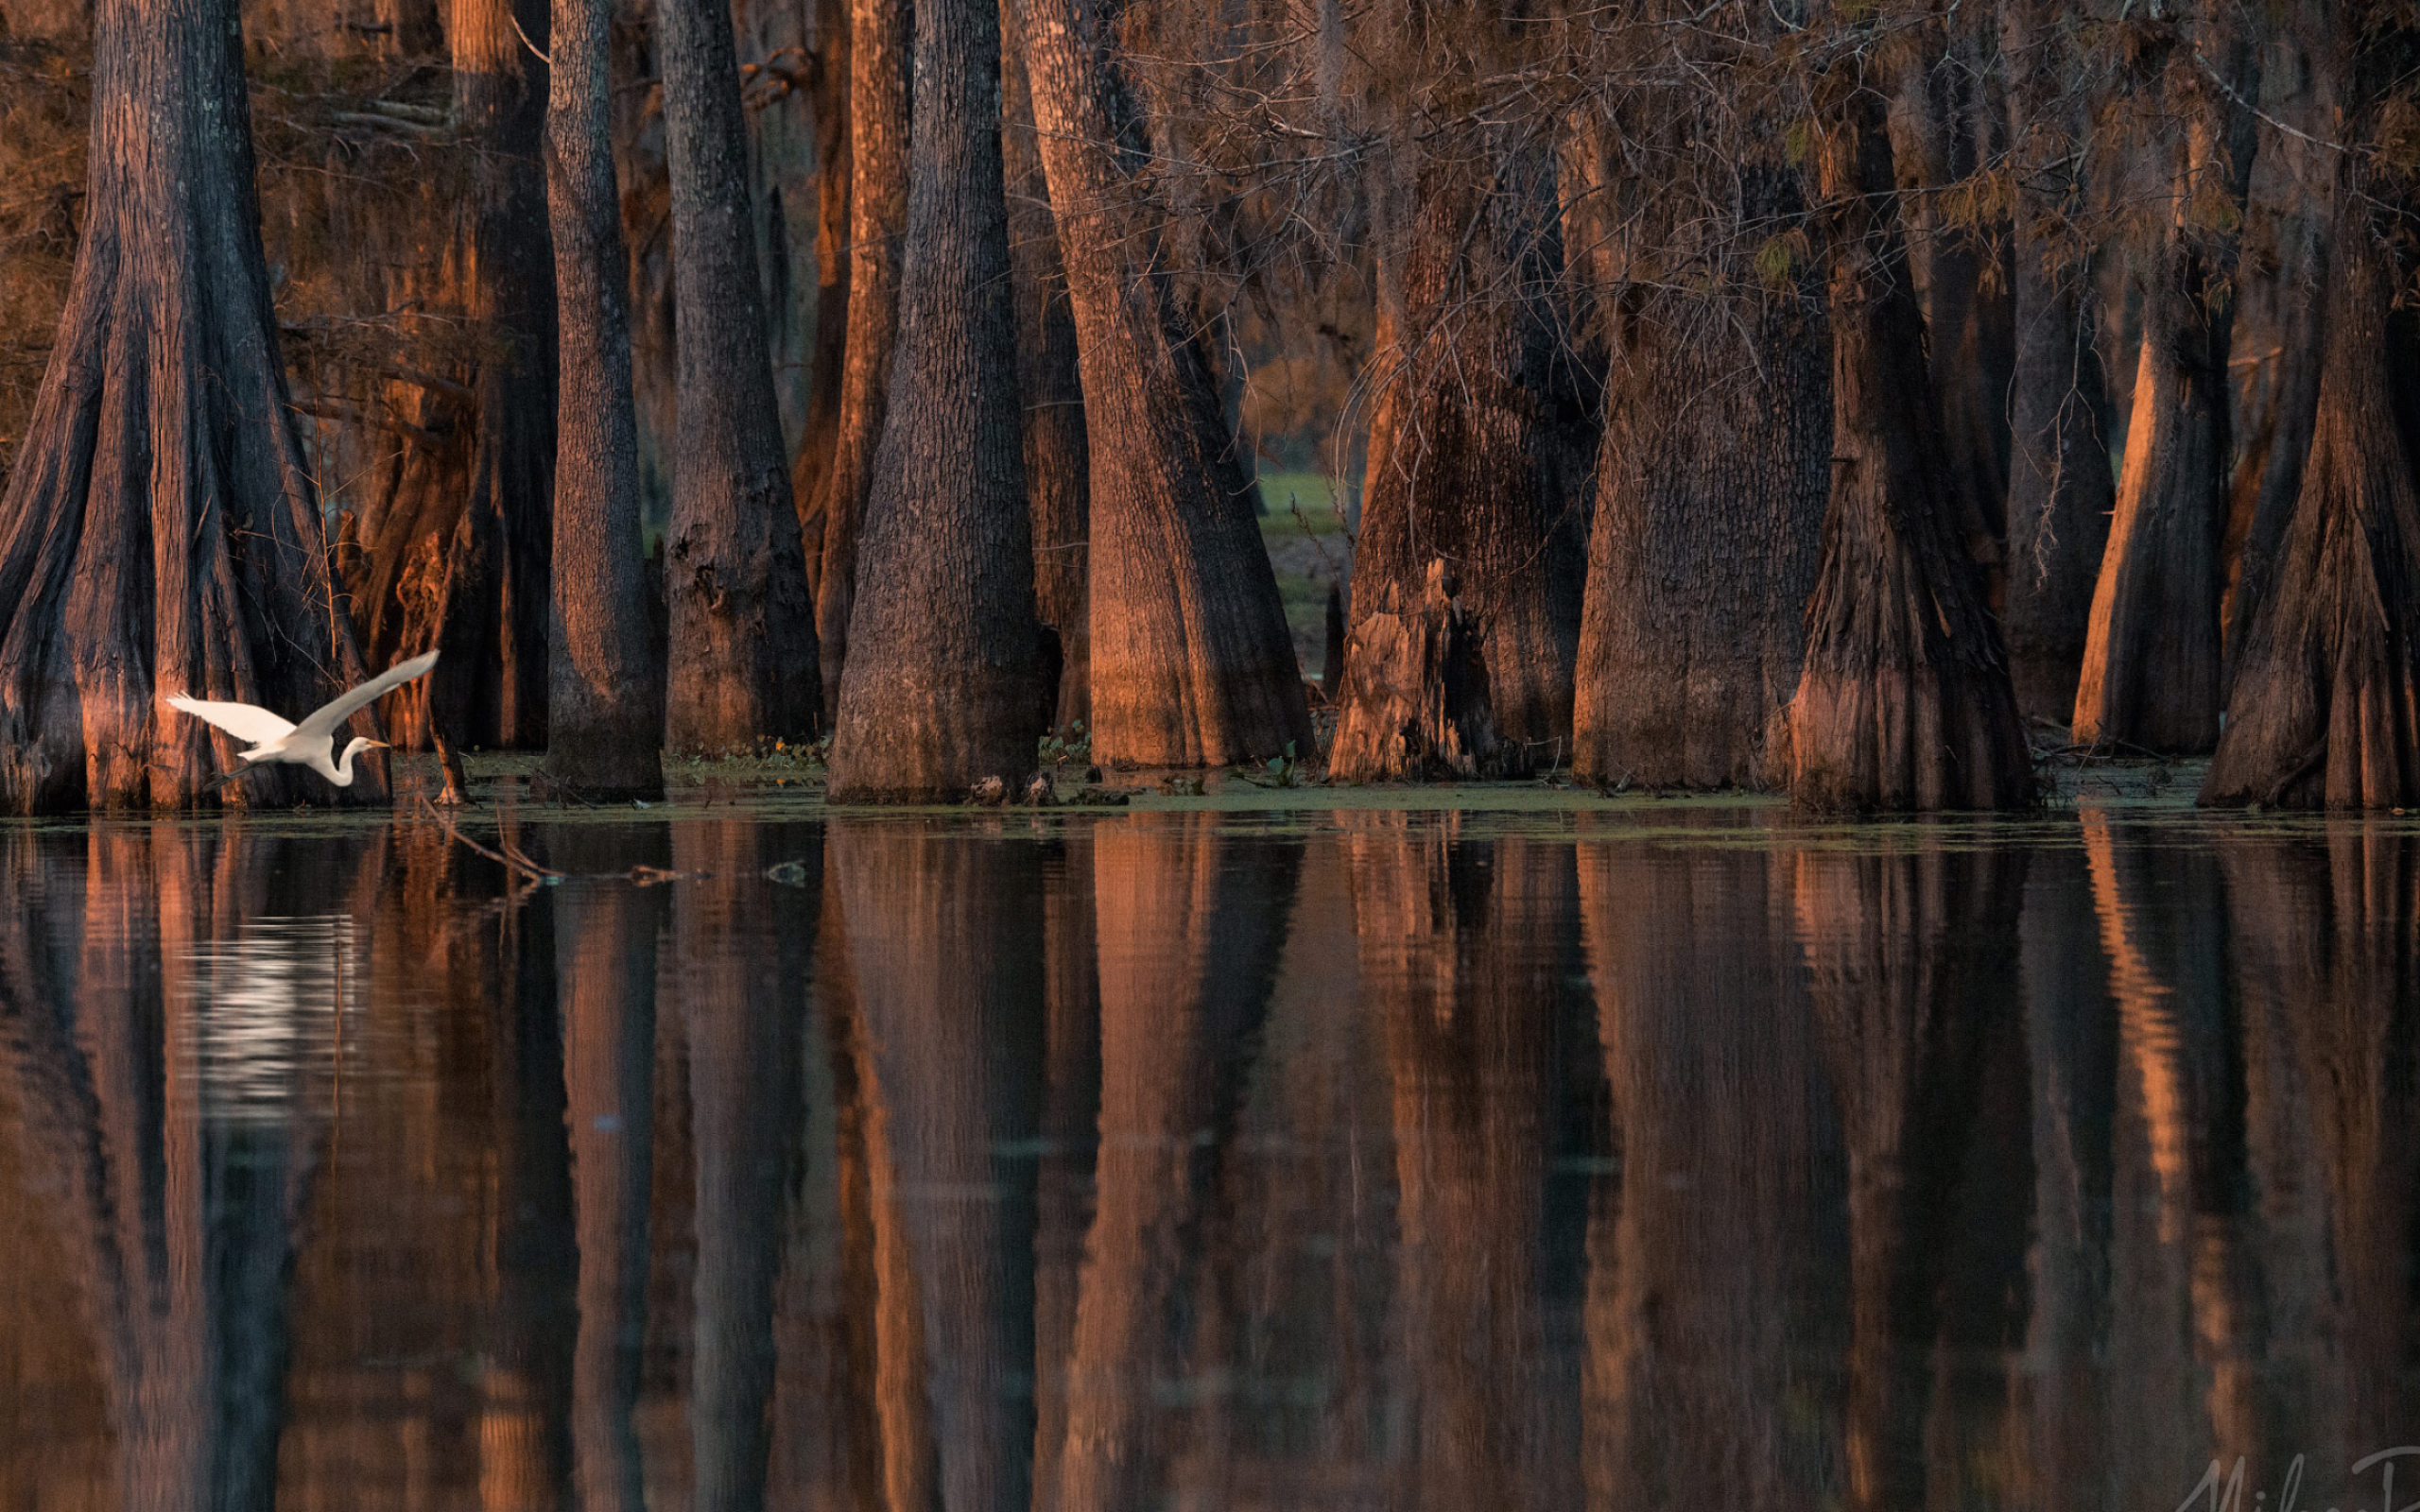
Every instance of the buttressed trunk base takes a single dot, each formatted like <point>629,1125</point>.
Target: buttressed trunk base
<point>2327,705</point>
<point>160,533</point>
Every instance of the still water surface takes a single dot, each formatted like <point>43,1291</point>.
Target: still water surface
<point>1628,1158</point>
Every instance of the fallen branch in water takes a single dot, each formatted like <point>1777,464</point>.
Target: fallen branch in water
<point>508,858</point>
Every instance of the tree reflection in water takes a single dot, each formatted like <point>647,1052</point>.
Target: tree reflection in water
<point>1353,1160</point>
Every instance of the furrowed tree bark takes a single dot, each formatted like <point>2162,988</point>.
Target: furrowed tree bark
<point>880,47</point>
<point>1941,130</point>
<point>605,689</point>
<point>161,532</point>
<point>2060,491</point>
<point>820,433</point>
<point>1058,457</point>
<point>742,664</point>
<point>1710,496</point>
<point>2327,705</point>
<point>1904,700</point>
<point>945,686</point>
<point>453,545</point>
<point>1470,460</point>
<point>1191,661</point>
<point>2151,669</point>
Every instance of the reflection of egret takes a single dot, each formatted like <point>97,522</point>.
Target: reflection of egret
<point>312,742</point>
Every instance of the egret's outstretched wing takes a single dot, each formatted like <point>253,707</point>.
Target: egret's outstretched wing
<point>323,720</point>
<point>241,720</point>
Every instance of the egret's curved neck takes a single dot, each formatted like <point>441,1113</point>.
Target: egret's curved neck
<point>343,777</point>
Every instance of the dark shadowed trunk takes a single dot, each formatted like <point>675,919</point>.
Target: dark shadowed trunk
<point>456,538</point>
<point>2150,668</point>
<point>1710,498</point>
<point>161,532</point>
<point>740,1005</point>
<point>605,703</point>
<point>1911,960</point>
<point>1469,460</point>
<point>945,688</point>
<point>1904,700</point>
<point>1191,662</point>
<point>1058,461</point>
<point>2060,492</point>
<point>1942,130</point>
<point>743,657</point>
<point>2327,704</point>
<point>881,42</point>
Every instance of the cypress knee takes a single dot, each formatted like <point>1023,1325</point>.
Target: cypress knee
<point>161,532</point>
<point>943,687</point>
<point>742,654</point>
<point>1905,701</point>
<point>1191,661</point>
<point>605,688</point>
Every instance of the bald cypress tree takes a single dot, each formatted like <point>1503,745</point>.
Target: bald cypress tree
<point>161,532</point>
<point>943,685</point>
<point>605,689</point>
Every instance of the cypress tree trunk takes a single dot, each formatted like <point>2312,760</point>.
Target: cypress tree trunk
<point>742,654</point>
<point>492,622</point>
<point>2327,704</point>
<point>1058,457</point>
<point>2151,669</point>
<point>161,532</point>
<point>879,47</point>
<point>945,686</point>
<point>1710,498</point>
<point>1469,461</point>
<point>1191,661</point>
<point>2060,492</point>
<point>605,703</point>
<point>821,432</point>
<point>1904,700</point>
<point>454,547</point>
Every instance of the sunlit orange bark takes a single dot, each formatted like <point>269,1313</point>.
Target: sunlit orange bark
<point>1464,951</point>
<point>1189,926</point>
<point>2184,1342</point>
<point>951,1088</point>
<point>605,975</point>
<point>1701,1245</point>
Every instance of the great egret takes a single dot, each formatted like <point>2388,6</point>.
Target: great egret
<point>312,741</point>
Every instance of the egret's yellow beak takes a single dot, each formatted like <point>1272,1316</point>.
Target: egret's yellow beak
<point>381,744</point>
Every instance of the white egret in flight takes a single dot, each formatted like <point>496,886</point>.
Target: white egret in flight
<point>312,741</point>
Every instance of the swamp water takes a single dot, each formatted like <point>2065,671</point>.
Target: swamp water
<point>1627,1155</point>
